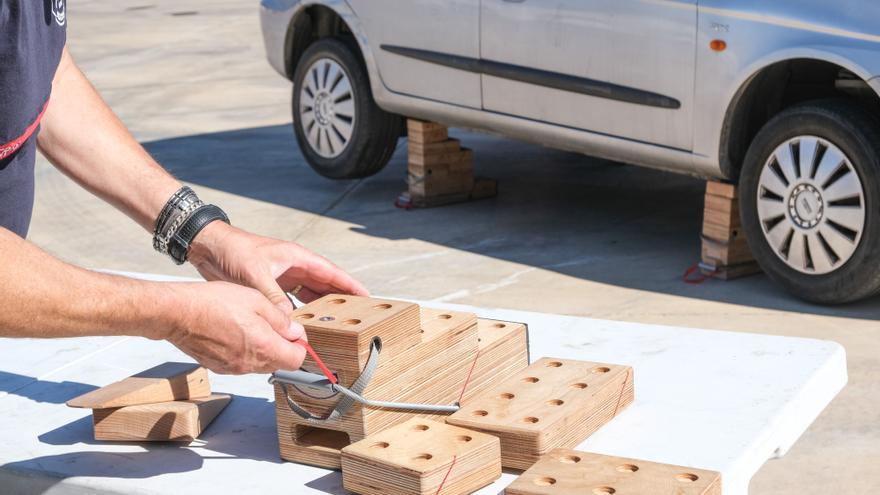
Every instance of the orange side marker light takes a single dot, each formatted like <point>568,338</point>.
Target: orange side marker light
<point>718,45</point>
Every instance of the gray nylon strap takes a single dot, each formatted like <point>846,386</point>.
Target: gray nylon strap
<point>346,401</point>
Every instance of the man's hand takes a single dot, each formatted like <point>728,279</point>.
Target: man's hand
<point>232,329</point>
<point>273,267</point>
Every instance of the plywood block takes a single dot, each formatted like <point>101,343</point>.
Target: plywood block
<point>438,182</point>
<point>722,189</point>
<point>163,383</point>
<point>721,253</point>
<point>503,351</point>
<point>176,421</point>
<point>341,329</point>
<point>457,159</point>
<point>429,136</point>
<point>570,472</point>
<point>421,457</point>
<point>415,125</point>
<point>552,403</point>
<point>439,147</point>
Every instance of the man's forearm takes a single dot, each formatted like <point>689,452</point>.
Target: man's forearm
<point>41,296</point>
<point>82,136</point>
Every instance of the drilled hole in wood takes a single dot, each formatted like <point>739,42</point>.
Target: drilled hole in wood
<point>499,325</point>
<point>420,427</point>
<point>544,481</point>
<point>579,385</point>
<point>326,318</point>
<point>601,369</point>
<point>444,317</point>
<point>480,412</point>
<point>555,402</point>
<point>531,379</point>
<point>687,477</point>
<point>353,321</point>
<point>530,419</point>
<point>569,459</point>
<point>627,468</point>
<point>604,490</point>
<point>554,364</point>
<point>336,301</point>
<point>380,445</point>
<point>382,306</point>
<point>304,316</point>
<point>463,439</point>
<point>423,457</point>
<point>507,396</point>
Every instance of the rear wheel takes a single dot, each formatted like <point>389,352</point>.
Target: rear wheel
<point>341,131</point>
<point>810,191</point>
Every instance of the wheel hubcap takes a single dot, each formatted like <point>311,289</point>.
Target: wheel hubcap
<point>326,108</point>
<point>811,205</point>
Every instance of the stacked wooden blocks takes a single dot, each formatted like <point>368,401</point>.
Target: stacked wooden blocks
<point>421,457</point>
<point>725,253</point>
<point>551,404</point>
<point>440,171</point>
<point>427,356</point>
<point>172,401</point>
<point>569,472</point>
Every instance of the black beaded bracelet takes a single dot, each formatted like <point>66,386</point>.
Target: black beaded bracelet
<point>178,246</point>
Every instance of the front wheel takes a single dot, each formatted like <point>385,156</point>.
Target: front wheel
<point>341,131</point>
<point>810,192</point>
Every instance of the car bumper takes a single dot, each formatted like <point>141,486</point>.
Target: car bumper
<point>275,16</point>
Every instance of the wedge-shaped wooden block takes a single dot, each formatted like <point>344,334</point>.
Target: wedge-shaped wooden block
<point>569,472</point>
<point>421,457</point>
<point>166,382</point>
<point>176,421</point>
<point>551,404</point>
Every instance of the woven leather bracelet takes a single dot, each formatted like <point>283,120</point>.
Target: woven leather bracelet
<point>178,246</point>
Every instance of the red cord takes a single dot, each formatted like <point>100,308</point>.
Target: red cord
<point>699,279</point>
<point>447,476</point>
<point>324,369</point>
<point>468,379</point>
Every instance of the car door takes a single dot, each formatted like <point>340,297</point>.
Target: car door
<point>401,32</point>
<point>619,67</point>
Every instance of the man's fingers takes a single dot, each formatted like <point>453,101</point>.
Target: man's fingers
<point>289,356</point>
<point>274,293</point>
<point>281,322</point>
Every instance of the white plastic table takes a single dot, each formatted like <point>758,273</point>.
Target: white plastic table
<point>707,399</point>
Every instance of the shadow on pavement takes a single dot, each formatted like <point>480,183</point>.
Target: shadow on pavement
<point>583,217</point>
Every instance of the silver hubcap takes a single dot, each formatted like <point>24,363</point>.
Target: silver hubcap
<point>811,205</point>
<point>326,108</point>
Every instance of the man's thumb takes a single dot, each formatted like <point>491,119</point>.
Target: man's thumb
<point>273,292</point>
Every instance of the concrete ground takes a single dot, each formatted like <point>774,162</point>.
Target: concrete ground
<point>568,234</point>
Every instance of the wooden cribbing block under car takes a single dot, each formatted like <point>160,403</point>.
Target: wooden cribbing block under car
<point>725,252</point>
<point>432,354</point>
<point>551,404</point>
<point>440,171</point>
<point>170,402</point>
<point>421,457</point>
<point>569,472</point>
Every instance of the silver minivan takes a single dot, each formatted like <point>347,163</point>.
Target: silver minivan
<point>781,97</point>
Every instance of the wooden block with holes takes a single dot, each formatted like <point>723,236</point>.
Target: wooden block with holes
<point>415,370</point>
<point>435,371</point>
<point>163,383</point>
<point>569,472</point>
<point>725,253</point>
<point>551,404</point>
<point>182,420</point>
<point>421,457</point>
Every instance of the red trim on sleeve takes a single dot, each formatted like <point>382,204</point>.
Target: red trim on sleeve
<point>13,146</point>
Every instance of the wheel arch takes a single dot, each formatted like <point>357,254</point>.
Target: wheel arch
<point>779,81</point>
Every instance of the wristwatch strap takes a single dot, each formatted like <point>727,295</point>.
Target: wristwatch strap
<point>178,246</point>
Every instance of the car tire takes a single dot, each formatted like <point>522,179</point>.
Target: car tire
<point>810,201</point>
<point>341,131</point>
